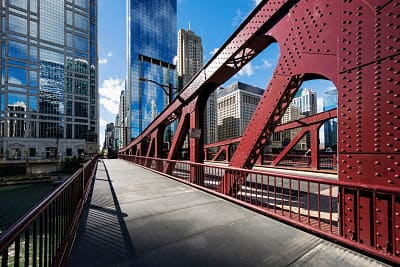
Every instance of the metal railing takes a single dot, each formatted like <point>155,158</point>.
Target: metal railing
<point>45,234</point>
<point>311,204</point>
<point>328,162</point>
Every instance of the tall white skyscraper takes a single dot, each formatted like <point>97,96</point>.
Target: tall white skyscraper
<point>307,102</point>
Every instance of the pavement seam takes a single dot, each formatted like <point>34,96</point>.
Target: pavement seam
<point>305,252</point>
<point>197,234</point>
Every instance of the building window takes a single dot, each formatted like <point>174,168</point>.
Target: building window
<point>32,152</point>
<point>69,152</point>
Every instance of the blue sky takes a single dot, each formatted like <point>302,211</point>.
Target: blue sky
<point>213,20</point>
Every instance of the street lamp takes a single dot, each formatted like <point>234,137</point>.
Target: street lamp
<point>168,89</point>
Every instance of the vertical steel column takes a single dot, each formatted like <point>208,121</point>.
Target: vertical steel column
<point>314,130</point>
<point>196,147</point>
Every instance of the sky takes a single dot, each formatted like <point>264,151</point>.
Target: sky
<point>213,20</point>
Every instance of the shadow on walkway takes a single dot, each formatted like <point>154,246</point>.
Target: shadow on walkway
<point>102,233</point>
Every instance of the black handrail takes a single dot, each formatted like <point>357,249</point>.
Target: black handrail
<point>50,220</point>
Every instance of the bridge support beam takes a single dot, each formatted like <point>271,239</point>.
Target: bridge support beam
<point>196,147</point>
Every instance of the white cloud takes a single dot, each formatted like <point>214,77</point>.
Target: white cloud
<point>110,105</point>
<point>266,64</point>
<point>175,60</point>
<point>320,104</point>
<point>247,70</point>
<point>110,92</point>
<point>103,61</point>
<point>103,122</point>
<point>256,2</point>
<point>111,88</point>
<point>238,18</point>
<point>214,51</point>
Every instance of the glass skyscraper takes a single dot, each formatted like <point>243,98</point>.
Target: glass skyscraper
<point>152,46</point>
<point>330,99</point>
<point>48,65</point>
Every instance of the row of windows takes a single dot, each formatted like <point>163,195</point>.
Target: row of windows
<point>227,102</point>
<point>33,129</point>
<point>247,99</point>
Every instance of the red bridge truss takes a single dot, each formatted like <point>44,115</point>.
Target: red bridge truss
<point>353,43</point>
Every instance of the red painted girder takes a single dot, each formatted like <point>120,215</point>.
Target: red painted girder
<point>220,151</point>
<point>317,118</point>
<point>314,119</point>
<point>289,147</point>
<point>249,36</point>
<point>224,143</point>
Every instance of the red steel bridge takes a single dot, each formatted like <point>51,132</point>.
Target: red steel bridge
<point>353,43</point>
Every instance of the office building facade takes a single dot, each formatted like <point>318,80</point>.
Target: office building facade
<point>152,46</point>
<point>48,91</point>
<point>307,102</point>
<point>122,122</point>
<point>235,107</point>
<point>330,127</point>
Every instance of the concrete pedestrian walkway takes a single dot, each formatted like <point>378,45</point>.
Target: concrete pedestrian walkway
<point>135,217</point>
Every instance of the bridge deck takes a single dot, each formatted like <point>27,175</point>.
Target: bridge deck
<point>136,217</point>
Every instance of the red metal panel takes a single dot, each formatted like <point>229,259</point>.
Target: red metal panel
<point>365,223</point>
<point>314,129</point>
<point>381,222</point>
<point>396,226</point>
<point>349,215</point>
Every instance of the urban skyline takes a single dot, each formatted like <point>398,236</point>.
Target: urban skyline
<point>221,21</point>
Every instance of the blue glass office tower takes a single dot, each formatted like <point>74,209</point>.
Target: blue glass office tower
<point>48,89</point>
<point>330,99</point>
<point>152,46</point>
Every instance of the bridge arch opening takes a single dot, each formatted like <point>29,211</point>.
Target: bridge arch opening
<point>231,106</point>
<point>306,136</point>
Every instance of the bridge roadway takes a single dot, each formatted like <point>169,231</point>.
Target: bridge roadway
<point>135,217</point>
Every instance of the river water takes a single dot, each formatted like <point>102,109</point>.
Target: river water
<point>16,200</point>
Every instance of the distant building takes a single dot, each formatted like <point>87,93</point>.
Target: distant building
<point>292,113</point>
<point>109,140</point>
<point>48,90</point>
<point>190,56</point>
<point>117,136</point>
<point>307,102</point>
<point>122,124</point>
<point>152,46</point>
<point>210,119</point>
<point>235,107</point>
<point>330,127</point>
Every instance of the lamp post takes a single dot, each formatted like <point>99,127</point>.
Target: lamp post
<point>168,89</point>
